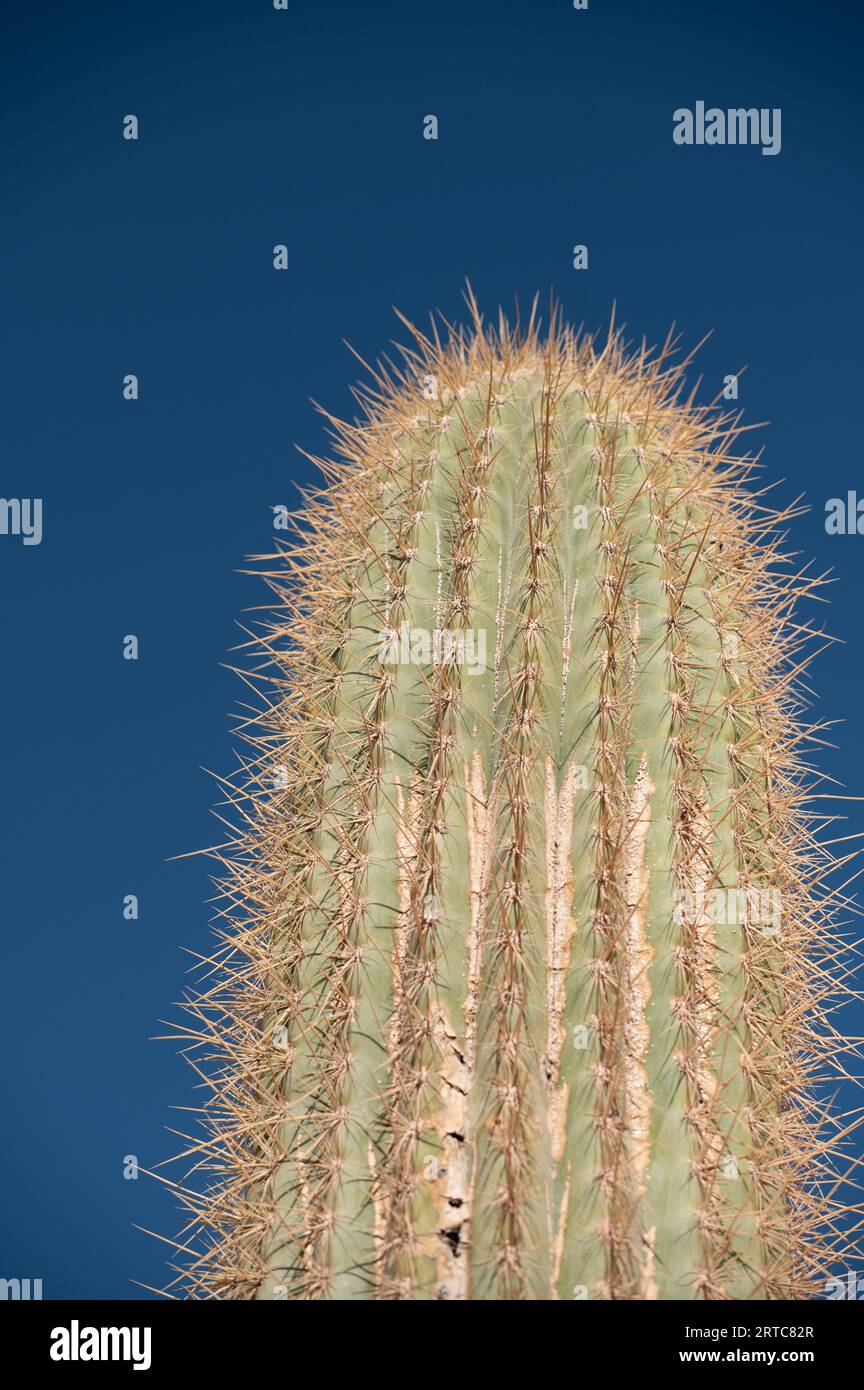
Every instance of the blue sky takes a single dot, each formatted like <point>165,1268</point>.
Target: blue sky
<point>154,257</point>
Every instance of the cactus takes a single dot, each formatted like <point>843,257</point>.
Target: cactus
<point>526,959</point>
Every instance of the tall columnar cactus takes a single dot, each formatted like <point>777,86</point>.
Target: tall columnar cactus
<point>525,984</point>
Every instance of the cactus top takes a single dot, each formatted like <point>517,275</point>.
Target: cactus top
<point>527,966</point>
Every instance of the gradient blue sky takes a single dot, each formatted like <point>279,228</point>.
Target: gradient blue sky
<point>155,257</point>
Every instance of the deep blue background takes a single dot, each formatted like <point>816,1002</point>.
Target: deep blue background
<point>155,257</point>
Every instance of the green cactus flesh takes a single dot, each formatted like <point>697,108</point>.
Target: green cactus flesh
<point>522,993</point>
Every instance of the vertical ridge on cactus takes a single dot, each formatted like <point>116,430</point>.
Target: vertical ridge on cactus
<point>527,963</point>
